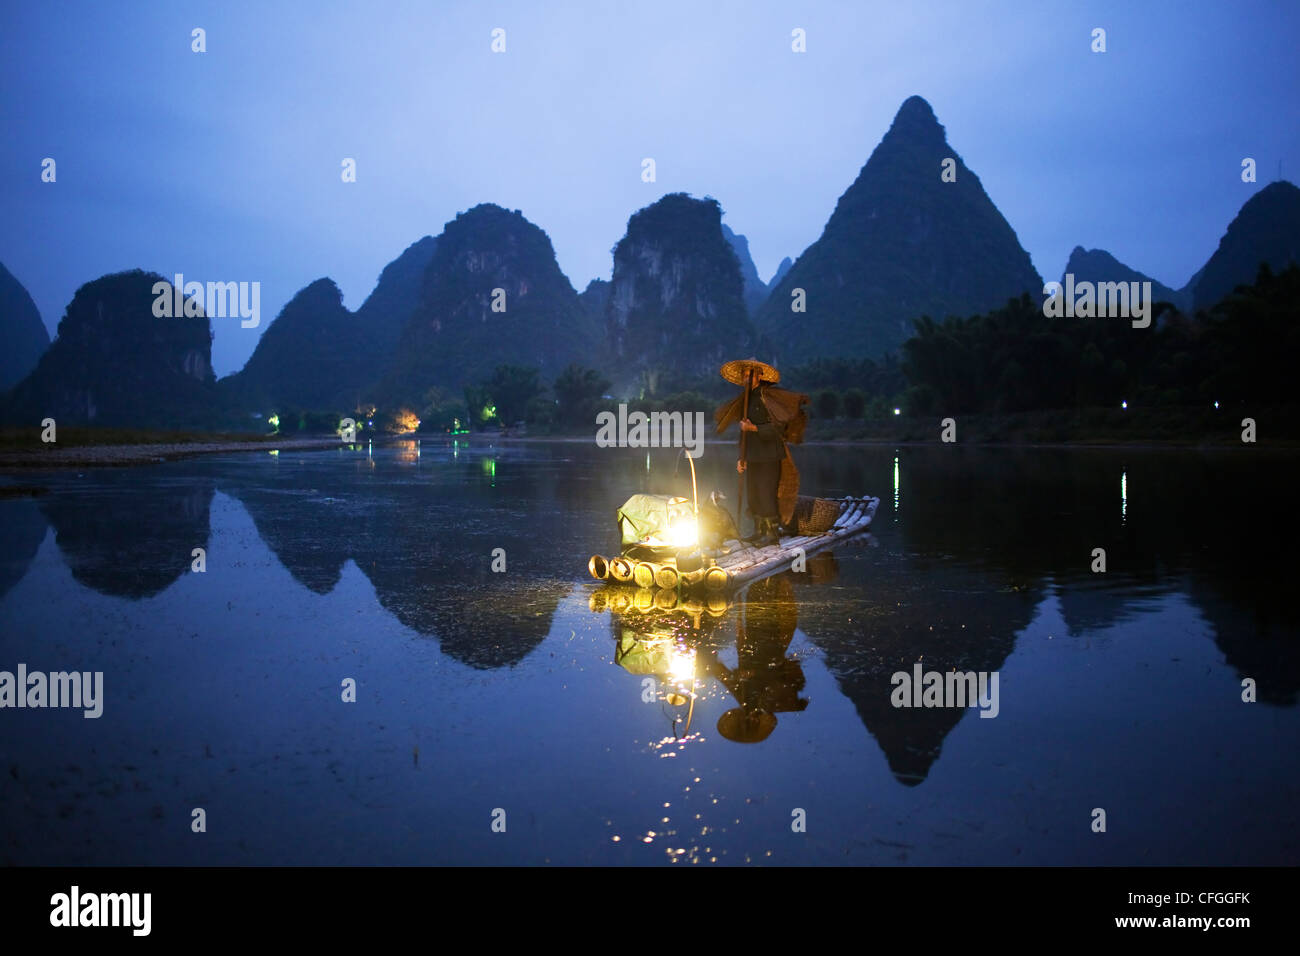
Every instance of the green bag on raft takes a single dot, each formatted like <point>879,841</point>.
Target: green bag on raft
<point>657,521</point>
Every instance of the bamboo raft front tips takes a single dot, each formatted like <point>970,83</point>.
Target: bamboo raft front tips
<point>743,562</point>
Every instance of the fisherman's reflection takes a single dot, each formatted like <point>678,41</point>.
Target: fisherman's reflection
<point>679,642</point>
<point>765,682</point>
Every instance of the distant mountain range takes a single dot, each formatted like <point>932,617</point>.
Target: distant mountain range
<point>317,354</point>
<point>1266,229</point>
<point>915,234</point>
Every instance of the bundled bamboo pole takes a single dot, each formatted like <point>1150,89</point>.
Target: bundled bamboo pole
<point>852,515</point>
<point>765,563</point>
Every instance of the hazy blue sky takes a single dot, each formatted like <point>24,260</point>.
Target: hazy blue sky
<point>225,165</point>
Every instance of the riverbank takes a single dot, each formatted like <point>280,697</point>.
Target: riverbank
<point>1167,426</point>
<point>23,450</point>
<point>1161,427</point>
<point>1156,426</point>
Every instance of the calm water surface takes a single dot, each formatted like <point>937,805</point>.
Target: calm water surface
<point>613,731</point>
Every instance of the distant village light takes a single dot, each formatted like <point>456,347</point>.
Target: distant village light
<point>1123,404</point>
<point>1216,404</point>
<point>898,411</point>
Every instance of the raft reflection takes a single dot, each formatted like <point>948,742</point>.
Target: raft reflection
<point>677,641</point>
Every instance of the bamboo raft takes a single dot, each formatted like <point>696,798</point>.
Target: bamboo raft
<point>741,563</point>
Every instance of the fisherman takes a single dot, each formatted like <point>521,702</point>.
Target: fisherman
<point>769,417</point>
<point>761,464</point>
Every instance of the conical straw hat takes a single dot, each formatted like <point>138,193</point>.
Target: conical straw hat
<point>737,371</point>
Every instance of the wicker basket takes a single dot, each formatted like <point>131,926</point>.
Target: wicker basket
<point>815,515</point>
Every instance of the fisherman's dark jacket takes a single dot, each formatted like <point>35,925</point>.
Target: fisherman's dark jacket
<point>766,444</point>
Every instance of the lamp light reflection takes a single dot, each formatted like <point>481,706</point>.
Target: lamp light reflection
<point>681,664</point>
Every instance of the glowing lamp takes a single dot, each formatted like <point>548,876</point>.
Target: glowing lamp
<point>684,533</point>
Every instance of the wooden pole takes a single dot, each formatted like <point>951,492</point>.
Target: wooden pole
<point>744,415</point>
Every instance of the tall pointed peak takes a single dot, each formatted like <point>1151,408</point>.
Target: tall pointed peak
<point>916,108</point>
<point>915,119</point>
<point>903,241</point>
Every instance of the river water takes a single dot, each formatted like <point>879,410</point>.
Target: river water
<point>532,715</point>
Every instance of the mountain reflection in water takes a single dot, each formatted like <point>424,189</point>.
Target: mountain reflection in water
<point>378,562</point>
